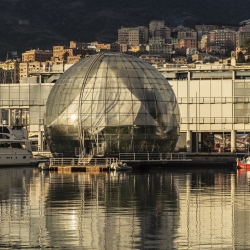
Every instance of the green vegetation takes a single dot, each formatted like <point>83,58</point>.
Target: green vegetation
<point>241,58</point>
<point>246,46</point>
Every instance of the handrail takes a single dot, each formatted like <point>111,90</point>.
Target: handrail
<point>151,156</point>
<point>82,162</point>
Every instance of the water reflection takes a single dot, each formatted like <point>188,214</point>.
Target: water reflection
<point>155,209</point>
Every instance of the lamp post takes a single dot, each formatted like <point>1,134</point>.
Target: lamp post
<point>196,127</point>
<point>223,140</point>
<point>97,141</point>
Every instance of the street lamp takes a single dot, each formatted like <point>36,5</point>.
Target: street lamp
<point>223,140</point>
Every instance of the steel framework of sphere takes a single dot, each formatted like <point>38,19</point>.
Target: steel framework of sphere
<point>115,102</point>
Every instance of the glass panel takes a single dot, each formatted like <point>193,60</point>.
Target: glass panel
<point>14,93</point>
<point>4,116</point>
<point>4,92</point>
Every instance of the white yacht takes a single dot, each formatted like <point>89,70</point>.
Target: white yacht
<point>15,149</point>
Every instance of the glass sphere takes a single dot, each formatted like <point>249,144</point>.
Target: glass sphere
<point>114,102</point>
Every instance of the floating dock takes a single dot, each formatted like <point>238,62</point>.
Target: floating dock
<point>144,160</point>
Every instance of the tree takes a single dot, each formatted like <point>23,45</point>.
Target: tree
<point>246,45</point>
<point>65,56</point>
<point>241,57</point>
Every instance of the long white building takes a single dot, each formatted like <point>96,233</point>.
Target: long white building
<point>214,106</point>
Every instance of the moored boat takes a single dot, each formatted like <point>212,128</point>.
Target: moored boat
<point>120,166</point>
<point>244,163</point>
<point>15,148</point>
<point>44,165</point>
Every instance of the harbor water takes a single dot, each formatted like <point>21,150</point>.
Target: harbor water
<point>153,209</point>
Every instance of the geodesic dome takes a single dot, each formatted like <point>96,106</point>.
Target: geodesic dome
<point>117,102</point>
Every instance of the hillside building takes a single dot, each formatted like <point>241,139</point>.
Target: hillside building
<point>242,34</point>
<point>9,71</point>
<point>224,40</point>
<point>188,42</point>
<point>133,36</point>
<point>155,25</point>
<point>204,29</point>
<point>37,55</point>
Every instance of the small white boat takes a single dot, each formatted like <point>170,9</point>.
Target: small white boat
<point>120,166</point>
<point>15,149</point>
<point>44,165</point>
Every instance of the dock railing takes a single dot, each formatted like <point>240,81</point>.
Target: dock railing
<point>105,162</point>
<point>82,162</point>
<point>151,156</point>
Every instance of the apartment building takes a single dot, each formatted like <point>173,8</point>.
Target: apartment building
<point>124,47</point>
<point>182,60</point>
<point>155,25</point>
<point>115,47</point>
<point>164,32</point>
<point>123,37</point>
<point>59,51</point>
<point>9,71</point>
<point>133,36</point>
<point>225,38</point>
<point>100,47</point>
<point>156,40</point>
<point>153,59</point>
<point>188,42</point>
<point>204,29</point>
<point>138,35</point>
<point>27,67</point>
<point>164,50</point>
<point>181,32</point>
<point>37,55</point>
<point>217,50</point>
<point>199,56</point>
<point>65,54</point>
<point>78,45</point>
<point>242,34</point>
<point>203,43</point>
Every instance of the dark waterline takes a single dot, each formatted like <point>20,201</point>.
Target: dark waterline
<point>155,209</point>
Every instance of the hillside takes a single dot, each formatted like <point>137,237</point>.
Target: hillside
<point>56,22</point>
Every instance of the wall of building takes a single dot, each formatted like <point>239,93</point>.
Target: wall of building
<point>212,101</point>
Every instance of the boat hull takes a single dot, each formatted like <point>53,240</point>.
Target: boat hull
<point>15,149</point>
<point>120,166</point>
<point>16,158</point>
<point>243,165</point>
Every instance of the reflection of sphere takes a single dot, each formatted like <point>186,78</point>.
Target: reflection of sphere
<point>118,100</point>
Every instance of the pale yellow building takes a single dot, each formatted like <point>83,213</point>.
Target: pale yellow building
<point>153,59</point>
<point>102,47</point>
<point>26,68</point>
<point>9,71</point>
<point>64,53</point>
